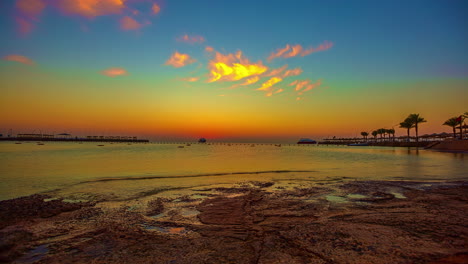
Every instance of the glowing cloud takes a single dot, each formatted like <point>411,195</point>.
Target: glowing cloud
<point>326,45</point>
<point>19,58</point>
<point>92,8</point>
<point>251,80</point>
<point>279,91</point>
<point>114,72</point>
<point>277,71</point>
<point>293,72</point>
<point>30,8</point>
<point>233,67</point>
<point>266,85</point>
<point>297,50</point>
<point>128,23</point>
<point>209,49</point>
<point>305,85</point>
<point>191,39</point>
<point>155,9</point>
<point>178,60</point>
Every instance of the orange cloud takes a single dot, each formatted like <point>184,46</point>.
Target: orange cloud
<point>155,9</point>
<point>305,85</point>
<point>20,59</point>
<point>114,72</point>
<point>128,23</point>
<point>191,39</point>
<point>30,8</point>
<point>178,60</point>
<point>233,67</point>
<point>277,71</point>
<point>297,50</point>
<point>293,72</point>
<point>266,85</point>
<point>279,52</point>
<point>251,80</point>
<point>190,79</point>
<point>92,8</point>
<point>279,91</point>
<point>209,49</point>
<point>326,45</point>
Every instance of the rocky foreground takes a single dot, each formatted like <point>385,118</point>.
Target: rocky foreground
<point>254,222</point>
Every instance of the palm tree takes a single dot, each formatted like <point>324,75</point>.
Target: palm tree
<point>391,131</point>
<point>364,134</point>
<point>408,125</point>
<point>375,133</point>
<point>452,122</point>
<point>415,119</point>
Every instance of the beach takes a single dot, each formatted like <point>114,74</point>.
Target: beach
<point>231,203</point>
<point>248,222</point>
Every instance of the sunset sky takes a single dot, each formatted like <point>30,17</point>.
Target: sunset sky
<point>230,70</point>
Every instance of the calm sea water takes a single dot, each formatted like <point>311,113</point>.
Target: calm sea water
<point>122,170</point>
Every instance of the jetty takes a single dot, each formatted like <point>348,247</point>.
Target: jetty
<point>64,137</point>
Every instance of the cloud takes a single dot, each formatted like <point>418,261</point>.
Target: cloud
<point>293,72</point>
<point>266,85</point>
<point>155,9</point>
<point>190,79</point>
<point>191,39</point>
<point>128,23</point>
<point>251,80</point>
<point>305,85</point>
<point>279,91</point>
<point>233,67</point>
<point>324,46</point>
<point>30,8</point>
<point>92,8</point>
<point>114,72</point>
<point>209,49</point>
<point>20,59</point>
<point>24,26</point>
<point>178,60</point>
<point>297,50</point>
<point>277,71</point>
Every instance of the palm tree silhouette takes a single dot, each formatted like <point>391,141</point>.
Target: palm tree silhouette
<point>452,122</point>
<point>391,131</point>
<point>415,119</point>
<point>364,134</point>
<point>408,125</point>
<point>375,133</point>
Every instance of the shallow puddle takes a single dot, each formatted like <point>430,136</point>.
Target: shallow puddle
<point>167,230</point>
<point>189,212</point>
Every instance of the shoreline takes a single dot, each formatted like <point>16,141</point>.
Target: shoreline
<point>247,222</point>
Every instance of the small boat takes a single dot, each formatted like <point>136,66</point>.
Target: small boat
<point>359,144</point>
<point>100,145</point>
<point>306,141</point>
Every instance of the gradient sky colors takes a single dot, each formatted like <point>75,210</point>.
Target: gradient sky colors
<point>230,70</point>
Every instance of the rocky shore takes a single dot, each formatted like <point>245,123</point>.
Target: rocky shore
<point>250,222</point>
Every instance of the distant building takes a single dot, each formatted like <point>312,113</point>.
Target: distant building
<point>202,140</point>
<point>306,141</point>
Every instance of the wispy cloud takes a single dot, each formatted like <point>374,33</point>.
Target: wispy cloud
<point>190,79</point>
<point>191,39</point>
<point>128,23</point>
<point>91,8</point>
<point>293,72</point>
<point>297,50</point>
<point>30,8</point>
<point>233,67</point>
<point>114,72</point>
<point>251,80</point>
<point>209,49</point>
<point>302,86</point>
<point>277,71</point>
<point>155,9</point>
<point>19,58</point>
<point>24,26</point>
<point>178,60</point>
<point>272,81</point>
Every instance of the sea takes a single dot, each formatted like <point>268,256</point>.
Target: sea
<point>122,171</point>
